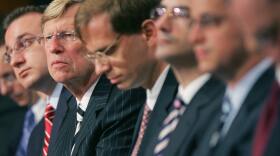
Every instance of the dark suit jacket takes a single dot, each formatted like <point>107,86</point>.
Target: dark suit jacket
<point>11,123</point>
<point>193,124</point>
<point>107,125</point>
<point>273,143</point>
<point>238,140</point>
<point>36,141</point>
<point>166,95</point>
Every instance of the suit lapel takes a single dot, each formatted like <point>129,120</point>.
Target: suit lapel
<point>203,98</point>
<point>246,118</point>
<point>60,114</point>
<point>97,102</point>
<point>161,110</point>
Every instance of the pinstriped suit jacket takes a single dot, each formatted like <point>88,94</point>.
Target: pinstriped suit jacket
<point>107,125</point>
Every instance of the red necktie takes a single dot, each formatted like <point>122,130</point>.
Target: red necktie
<point>143,126</point>
<point>266,122</point>
<point>48,117</point>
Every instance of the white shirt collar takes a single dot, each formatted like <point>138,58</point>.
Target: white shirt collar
<point>188,92</point>
<point>278,73</point>
<point>152,94</point>
<point>38,109</point>
<point>54,98</point>
<point>83,103</point>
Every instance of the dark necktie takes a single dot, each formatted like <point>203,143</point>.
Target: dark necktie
<point>79,119</point>
<point>48,117</point>
<point>169,125</point>
<point>143,126</point>
<point>266,122</point>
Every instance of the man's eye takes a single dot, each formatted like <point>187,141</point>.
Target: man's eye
<point>48,37</point>
<point>27,42</point>
<point>66,35</point>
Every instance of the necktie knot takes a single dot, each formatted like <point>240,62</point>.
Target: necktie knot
<point>49,112</point>
<point>30,119</point>
<point>80,114</point>
<point>169,125</point>
<point>226,108</point>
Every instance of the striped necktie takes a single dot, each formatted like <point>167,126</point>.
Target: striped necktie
<point>48,117</point>
<point>169,125</point>
<point>143,126</point>
<point>79,119</point>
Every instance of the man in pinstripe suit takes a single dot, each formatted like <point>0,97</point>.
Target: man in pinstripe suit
<point>104,118</point>
<point>122,40</point>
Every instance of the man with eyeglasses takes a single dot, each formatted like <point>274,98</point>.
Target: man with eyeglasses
<point>260,21</point>
<point>26,55</point>
<point>220,48</point>
<point>122,43</point>
<point>10,86</point>
<point>199,94</point>
<point>104,119</point>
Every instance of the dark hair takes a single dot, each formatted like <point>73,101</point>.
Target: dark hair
<point>18,12</point>
<point>2,41</point>
<point>132,14</point>
<point>126,16</point>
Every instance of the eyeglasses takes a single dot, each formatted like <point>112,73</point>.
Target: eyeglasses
<point>102,55</point>
<point>64,36</point>
<point>207,21</point>
<point>174,12</point>
<point>20,45</point>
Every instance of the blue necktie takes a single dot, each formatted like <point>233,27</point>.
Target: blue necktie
<point>28,125</point>
<point>218,134</point>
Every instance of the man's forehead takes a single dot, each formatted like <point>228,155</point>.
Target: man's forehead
<point>25,24</point>
<point>173,3</point>
<point>59,24</point>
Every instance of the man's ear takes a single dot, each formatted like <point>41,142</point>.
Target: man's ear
<point>149,32</point>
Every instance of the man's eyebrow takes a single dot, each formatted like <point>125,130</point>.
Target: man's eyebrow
<point>23,35</point>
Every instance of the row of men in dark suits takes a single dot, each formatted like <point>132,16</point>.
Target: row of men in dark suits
<point>91,111</point>
<point>204,116</point>
<point>205,81</point>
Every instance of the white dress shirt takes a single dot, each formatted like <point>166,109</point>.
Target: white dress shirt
<point>238,93</point>
<point>38,109</point>
<point>188,92</point>
<point>54,98</point>
<point>83,103</point>
<point>152,94</point>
